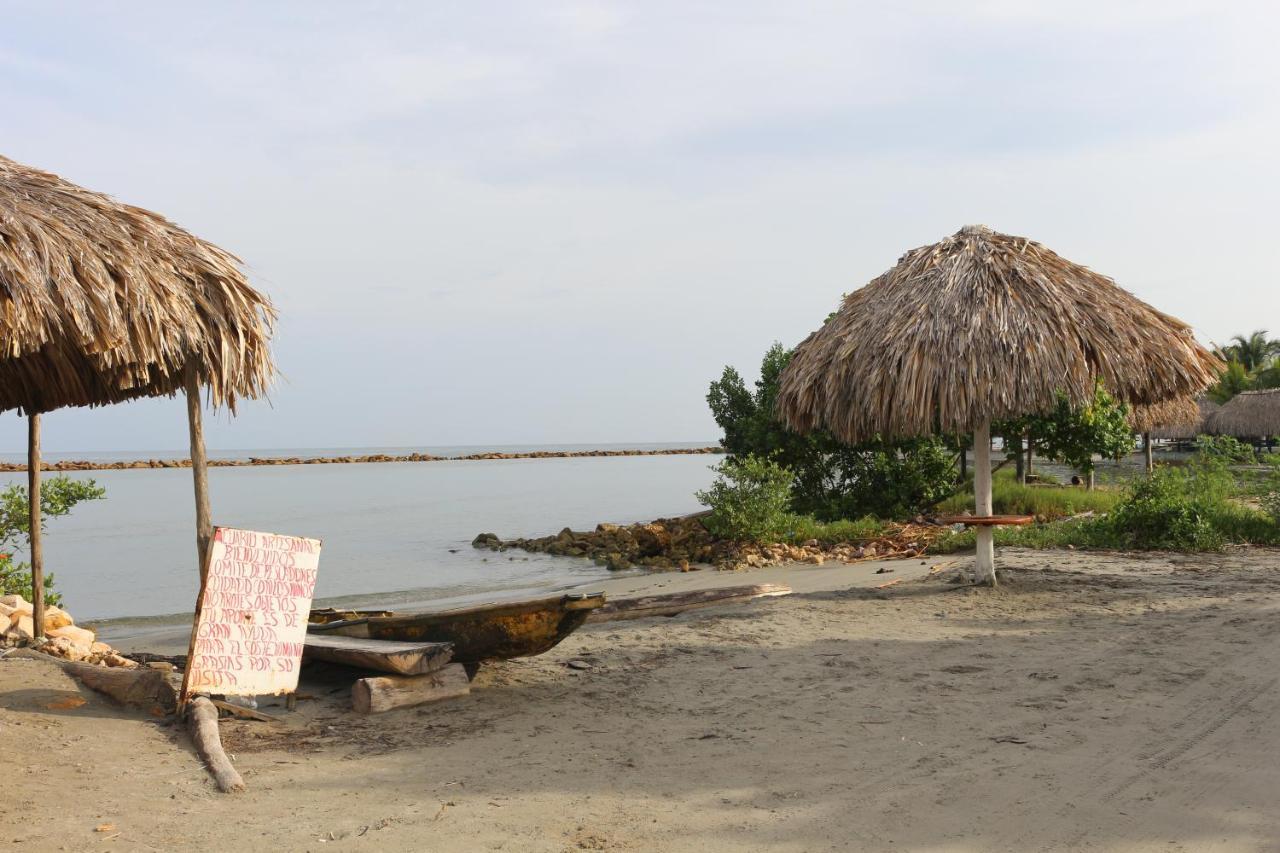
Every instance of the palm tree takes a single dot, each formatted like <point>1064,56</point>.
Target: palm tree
<point>1254,352</point>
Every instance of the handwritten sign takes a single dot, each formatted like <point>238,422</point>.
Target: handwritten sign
<point>252,618</point>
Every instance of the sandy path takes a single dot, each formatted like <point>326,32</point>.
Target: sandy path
<point>1092,702</point>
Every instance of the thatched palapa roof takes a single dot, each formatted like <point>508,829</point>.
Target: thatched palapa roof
<point>1249,414</point>
<point>980,326</point>
<point>1180,412</point>
<point>102,302</point>
<point>1185,428</point>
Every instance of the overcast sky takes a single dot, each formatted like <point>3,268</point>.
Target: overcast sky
<point>556,222</point>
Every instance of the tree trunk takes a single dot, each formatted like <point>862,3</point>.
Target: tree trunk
<point>202,718</point>
<point>1146,452</point>
<point>1090,480</point>
<point>34,524</point>
<point>985,563</point>
<point>1031,452</point>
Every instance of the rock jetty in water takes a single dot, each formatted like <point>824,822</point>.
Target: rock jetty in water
<point>684,544</point>
<point>85,465</point>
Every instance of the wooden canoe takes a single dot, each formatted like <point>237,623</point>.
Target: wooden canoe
<point>675,603</point>
<point>488,632</point>
<point>390,656</point>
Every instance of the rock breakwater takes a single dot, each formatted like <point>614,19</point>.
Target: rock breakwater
<point>684,544</point>
<point>85,465</point>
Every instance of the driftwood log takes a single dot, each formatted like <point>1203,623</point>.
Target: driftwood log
<point>387,692</point>
<point>670,604</point>
<point>140,687</point>
<point>202,720</point>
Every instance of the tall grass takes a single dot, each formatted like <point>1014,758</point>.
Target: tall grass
<point>1046,503</point>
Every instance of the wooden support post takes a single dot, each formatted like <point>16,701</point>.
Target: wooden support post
<point>35,522</point>
<point>985,566</point>
<point>1031,452</point>
<point>199,470</point>
<point>1146,452</point>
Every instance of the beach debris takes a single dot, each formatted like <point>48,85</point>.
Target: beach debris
<point>673,544</point>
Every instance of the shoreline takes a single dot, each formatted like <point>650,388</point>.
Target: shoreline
<point>372,458</point>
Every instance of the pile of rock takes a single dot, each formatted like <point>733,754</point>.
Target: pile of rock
<point>63,638</point>
<point>682,543</point>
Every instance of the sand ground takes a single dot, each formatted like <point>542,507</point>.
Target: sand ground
<point>1102,702</point>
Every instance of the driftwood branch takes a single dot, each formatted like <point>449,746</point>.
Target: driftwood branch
<point>202,719</point>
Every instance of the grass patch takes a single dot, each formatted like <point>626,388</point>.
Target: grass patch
<point>802,528</point>
<point>1048,503</point>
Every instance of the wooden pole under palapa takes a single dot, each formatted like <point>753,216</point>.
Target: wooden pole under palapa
<point>199,470</point>
<point>1146,452</point>
<point>985,565</point>
<point>33,524</point>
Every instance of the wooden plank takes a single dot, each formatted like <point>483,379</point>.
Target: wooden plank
<point>245,713</point>
<point>387,692</point>
<point>670,604</point>
<point>987,520</point>
<point>383,655</point>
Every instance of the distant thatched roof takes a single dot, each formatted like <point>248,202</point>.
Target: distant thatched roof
<point>1249,414</point>
<point>1178,412</point>
<point>983,325</point>
<point>1185,428</point>
<point>102,302</point>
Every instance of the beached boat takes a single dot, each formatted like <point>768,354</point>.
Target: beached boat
<point>489,632</point>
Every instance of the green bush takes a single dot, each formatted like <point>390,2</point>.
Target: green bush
<point>1164,511</point>
<point>833,480</point>
<point>58,495</point>
<point>1225,448</point>
<point>749,500</point>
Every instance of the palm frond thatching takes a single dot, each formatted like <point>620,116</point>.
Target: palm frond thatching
<point>102,302</point>
<point>1184,429</point>
<point>1180,412</point>
<point>980,326</point>
<point>1249,414</point>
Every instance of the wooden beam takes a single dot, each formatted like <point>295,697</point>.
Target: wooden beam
<point>387,692</point>
<point>985,563</point>
<point>383,655</point>
<point>34,524</point>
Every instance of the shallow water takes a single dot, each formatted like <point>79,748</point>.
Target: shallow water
<point>394,533</point>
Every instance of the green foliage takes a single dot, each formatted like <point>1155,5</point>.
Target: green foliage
<point>832,480</point>
<point>1045,502</point>
<point>1172,509</point>
<point>1224,448</point>
<point>749,499</point>
<point>802,528</point>
<point>1270,498</point>
<point>58,496</point>
<point>1074,435</point>
<point>1233,380</point>
<point>1254,352</point>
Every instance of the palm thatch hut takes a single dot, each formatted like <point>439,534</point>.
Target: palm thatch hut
<point>983,326</point>
<point>1143,419</point>
<point>102,302</point>
<point>1186,428</point>
<point>1251,415</point>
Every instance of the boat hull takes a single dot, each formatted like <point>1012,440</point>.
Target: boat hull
<point>478,634</point>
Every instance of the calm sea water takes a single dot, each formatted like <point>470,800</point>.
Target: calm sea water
<point>394,534</point>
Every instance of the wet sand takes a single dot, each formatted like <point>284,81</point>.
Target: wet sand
<point>1091,702</point>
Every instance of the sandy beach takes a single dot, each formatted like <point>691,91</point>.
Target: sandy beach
<point>1091,702</point>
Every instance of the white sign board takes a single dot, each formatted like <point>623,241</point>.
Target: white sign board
<point>251,622</point>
